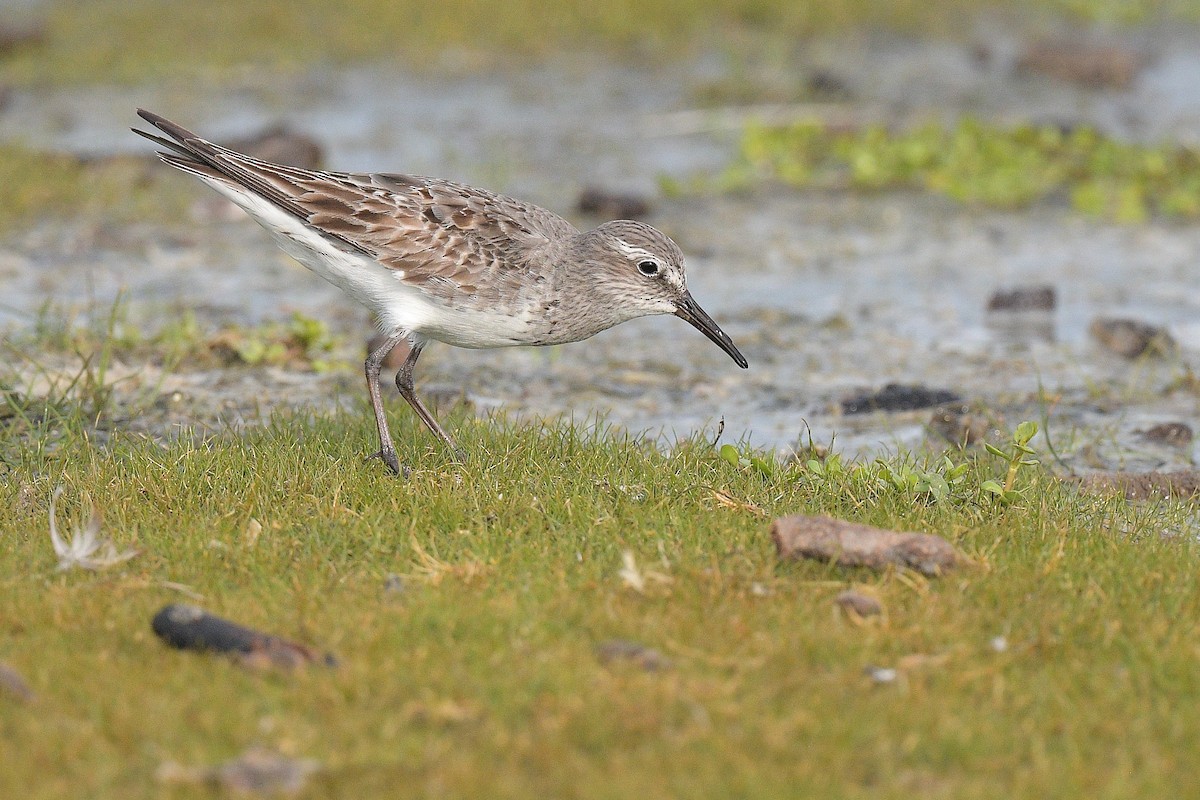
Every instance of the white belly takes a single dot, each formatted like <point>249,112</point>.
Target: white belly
<point>397,305</point>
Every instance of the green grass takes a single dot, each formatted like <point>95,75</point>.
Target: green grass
<point>141,40</point>
<point>979,163</point>
<point>480,679</point>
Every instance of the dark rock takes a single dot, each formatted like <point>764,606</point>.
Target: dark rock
<point>858,603</point>
<point>1131,338</point>
<point>188,627</point>
<point>897,397</point>
<point>282,146</point>
<point>1142,485</point>
<point>642,656</point>
<point>1097,65</point>
<point>612,205</point>
<point>828,85</point>
<point>1024,298</point>
<point>1175,434</point>
<point>850,544</point>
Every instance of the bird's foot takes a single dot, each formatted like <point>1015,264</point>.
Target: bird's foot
<point>388,457</point>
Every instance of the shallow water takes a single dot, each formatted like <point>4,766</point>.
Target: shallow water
<point>827,294</point>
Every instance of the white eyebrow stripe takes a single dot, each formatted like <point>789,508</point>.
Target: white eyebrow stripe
<point>636,252</point>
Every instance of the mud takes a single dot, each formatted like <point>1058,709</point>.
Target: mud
<point>828,294</point>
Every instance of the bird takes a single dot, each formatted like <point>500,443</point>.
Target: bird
<point>437,260</point>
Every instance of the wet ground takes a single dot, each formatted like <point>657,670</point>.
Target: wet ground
<point>828,294</point>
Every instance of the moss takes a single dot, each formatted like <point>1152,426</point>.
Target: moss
<point>978,163</point>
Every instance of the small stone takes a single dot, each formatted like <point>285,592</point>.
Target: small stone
<point>881,674</point>
<point>1097,65</point>
<point>1025,298</point>
<point>1142,485</point>
<point>850,544</point>
<point>638,654</point>
<point>280,145</point>
<point>960,424</point>
<point>858,603</point>
<point>1131,338</point>
<point>14,36</point>
<point>1175,434</point>
<point>251,532</point>
<point>15,685</point>
<point>999,644</point>
<point>828,85</point>
<point>897,397</point>
<point>612,205</point>
<point>395,357</point>
<point>257,771</point>
<point>393,584</point>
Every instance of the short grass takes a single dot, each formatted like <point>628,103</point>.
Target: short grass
<point>479,678</point>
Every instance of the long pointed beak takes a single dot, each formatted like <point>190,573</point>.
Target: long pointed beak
<point>688,309</point>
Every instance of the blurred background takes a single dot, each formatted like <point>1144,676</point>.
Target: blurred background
<point>922,222</point>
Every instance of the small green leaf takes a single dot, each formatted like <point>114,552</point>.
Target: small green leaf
<point>730,454</point>
<point>1025,431</point>
<point>765,468</point>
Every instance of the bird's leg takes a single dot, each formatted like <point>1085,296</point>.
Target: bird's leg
<point>404,382</point>
<point>387,450</point>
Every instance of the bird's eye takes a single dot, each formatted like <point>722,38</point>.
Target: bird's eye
<point>648,267</point>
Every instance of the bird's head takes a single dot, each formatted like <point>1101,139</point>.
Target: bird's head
<point>641,268</point>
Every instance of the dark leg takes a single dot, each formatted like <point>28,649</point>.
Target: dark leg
<point>404,382</point>
<point>387,450</point>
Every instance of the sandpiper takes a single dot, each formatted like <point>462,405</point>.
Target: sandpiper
<point>439,260</point>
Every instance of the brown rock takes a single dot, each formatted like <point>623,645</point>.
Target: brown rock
<point>635,653</point>
<point>1175,434</point>
<point>258,771</point>
<point>850,544</point>
<point>395,358</point>
<point>960,424</point>
<point>1143,485</point>
<point>1024,298</point>
<point>12,682</point>
<point>17,35</point>
<point>1131,338</point>
<point>612,205</point>
<point>1098,65</point>
<point>858,603</point>
<point>282,146</point>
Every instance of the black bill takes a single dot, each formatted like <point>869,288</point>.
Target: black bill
<point>691,311</point>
